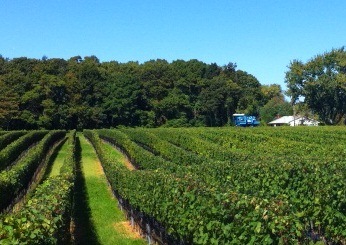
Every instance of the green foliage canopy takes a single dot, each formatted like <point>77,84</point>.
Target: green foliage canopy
<point>86,93</point>
<point>322,83</point>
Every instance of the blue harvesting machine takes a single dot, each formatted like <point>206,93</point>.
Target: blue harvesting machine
<point>242,120</point>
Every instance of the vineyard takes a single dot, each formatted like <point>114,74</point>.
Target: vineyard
<point>185,186</point>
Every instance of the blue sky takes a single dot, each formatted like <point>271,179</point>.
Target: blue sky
<point>262,37</point>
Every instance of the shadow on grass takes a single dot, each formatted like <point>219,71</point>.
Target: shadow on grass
<point>52,159</point>
<point>84,232</point>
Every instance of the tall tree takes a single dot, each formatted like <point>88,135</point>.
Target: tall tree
<point>175,105</point>
<point>271,91</point>
<point>322,84</point>
<point>251,95</point>
<point>123,94</point>
<point>276,106</point>
<point>85,84</point>
<point>217,101</point>
<point>9,105</point>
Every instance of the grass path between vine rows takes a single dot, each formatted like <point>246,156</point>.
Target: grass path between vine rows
<point>58,159</point>
<point>107,220</point>
<point>116,154</point>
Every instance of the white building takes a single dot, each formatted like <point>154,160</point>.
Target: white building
<point>293,121</point>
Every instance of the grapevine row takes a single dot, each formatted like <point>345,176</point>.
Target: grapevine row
<point>17,178</point>
<point>197,214</point>
<point>9,138</point>
<point>307,187</point>
<point>45,218</point>
<point>9,154</point>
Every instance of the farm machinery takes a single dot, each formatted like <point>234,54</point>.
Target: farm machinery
<point>242,120</point>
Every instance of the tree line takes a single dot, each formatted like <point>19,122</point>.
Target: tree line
<point>86,93</point>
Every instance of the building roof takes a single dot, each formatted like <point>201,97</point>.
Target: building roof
<point>289,119</point>
<point>283,120</point>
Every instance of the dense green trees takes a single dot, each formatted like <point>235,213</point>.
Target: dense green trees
<point>86,93</point>
<point>275,103</point>
<point>322,83</point>
<point>8,105</point>
<point>276,106</point>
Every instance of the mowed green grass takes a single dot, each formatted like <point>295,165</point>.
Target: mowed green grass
<point>107,219</point>
<point>59,159</point>
<point>115,154</point>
